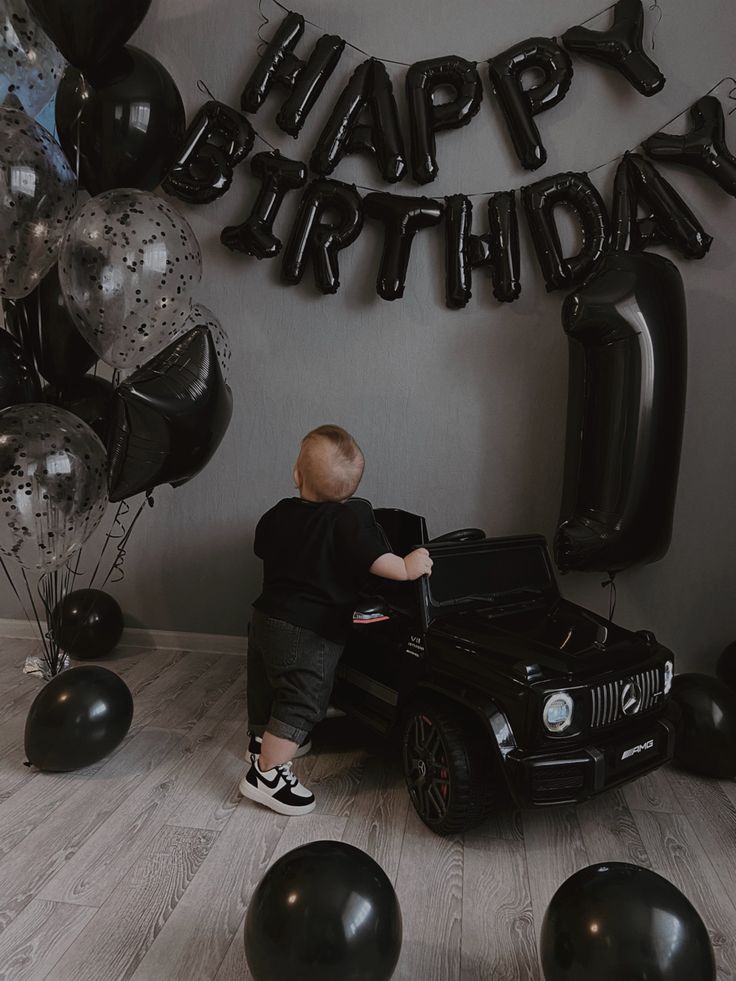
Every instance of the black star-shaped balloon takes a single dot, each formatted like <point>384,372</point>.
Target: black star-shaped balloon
<point>703,148</point>
<point>620,47</point>
<point>170,416</point>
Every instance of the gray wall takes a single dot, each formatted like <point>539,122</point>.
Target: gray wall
<point>461,414</point>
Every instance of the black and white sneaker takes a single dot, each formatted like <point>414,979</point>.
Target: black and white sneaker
<point>254,747</point>
<point>278,789</point>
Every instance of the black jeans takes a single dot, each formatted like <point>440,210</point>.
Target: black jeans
<point>291,671</point>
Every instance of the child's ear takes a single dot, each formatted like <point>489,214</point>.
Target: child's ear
<point>297,478</point>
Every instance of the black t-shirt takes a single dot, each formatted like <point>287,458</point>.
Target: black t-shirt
<point>315,558</point>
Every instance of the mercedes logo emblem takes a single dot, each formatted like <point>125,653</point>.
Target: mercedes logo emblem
<point>631,698</point>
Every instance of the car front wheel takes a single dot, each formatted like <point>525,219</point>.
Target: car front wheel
<point>449,768</point>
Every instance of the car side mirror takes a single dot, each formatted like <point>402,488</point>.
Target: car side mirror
<point>373,609</point>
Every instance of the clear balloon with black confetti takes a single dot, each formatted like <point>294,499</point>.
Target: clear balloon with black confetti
<point>38,194</point>
<point>53,485</point>
<point>30,63</point>
<point>202,316</point>
<point>127,268</point>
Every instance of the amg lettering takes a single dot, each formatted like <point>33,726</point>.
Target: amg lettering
<point>641,748</point>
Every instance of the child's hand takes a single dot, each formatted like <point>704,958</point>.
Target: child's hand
<point>418,563</point>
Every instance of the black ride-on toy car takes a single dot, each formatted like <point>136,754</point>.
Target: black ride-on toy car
<point>502,690</point>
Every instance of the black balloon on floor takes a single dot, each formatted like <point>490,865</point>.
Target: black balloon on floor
<point>726,666</point>
<point>169,417</point>
<point>128,120</point>
<point>79,717</point>
<point>18,381</point>
<point>706,734</point>
<point>620,922</point>
<point>87,623</point>
<point>324,912</point>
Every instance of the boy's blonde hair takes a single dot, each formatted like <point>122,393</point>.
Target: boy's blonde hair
<point>332,463</point>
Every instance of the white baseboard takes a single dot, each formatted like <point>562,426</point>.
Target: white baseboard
<point>137,637</point>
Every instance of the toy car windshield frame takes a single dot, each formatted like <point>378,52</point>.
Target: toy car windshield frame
<point>509,584</point>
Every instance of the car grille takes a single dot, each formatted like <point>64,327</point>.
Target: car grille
<point>607,706</point>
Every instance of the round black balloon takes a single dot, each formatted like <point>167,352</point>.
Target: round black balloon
<point>90,398</point>
<point>324,912</point>
<point>128,119</point>
<point>79,717</point>
<point>43,324</point>
<point>89,31</point>
<point>726,666</point>
<point>87,623</point>
<point>18,381</point>
<point>620,922</point>
<point>706,733</point>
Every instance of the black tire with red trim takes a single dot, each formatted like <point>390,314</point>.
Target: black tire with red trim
<point>450,773</point>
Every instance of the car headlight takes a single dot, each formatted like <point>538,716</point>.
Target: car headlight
<point>557,714</point>
<point>669,671</point>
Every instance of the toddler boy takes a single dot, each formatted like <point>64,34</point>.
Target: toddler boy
<point>316,553</point>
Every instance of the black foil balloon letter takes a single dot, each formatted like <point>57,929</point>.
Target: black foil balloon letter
<point>43,324</point>
<point>639,184</point>
<point>617,921</point>
<point>87,32</point>
<point>79,717</point>
<point>504,245</point>
<point>628,361</point>
<point>87,623</point>
<point>578,193</point>
<point>18,381</point>
<point>323,912</point>
<point>422,80</point>
<point>458,264</point>
<point>520,105</point>
<point>620,47</point>
<point>706,732</point>
<point>369,91</point>
<point>170,417</point>
<point>128,122</point>
<point>278,175</point>
<point>218,139</point>
<point>703,148</point>
<point>464,251</point>
<point>402,218</point>
<point>320,239</point>
<point>279,64</point>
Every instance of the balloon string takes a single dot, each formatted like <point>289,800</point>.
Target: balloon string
<point>655,6</point>
<point>732,96</point>
<point>122,509</point>
<point>118,562</point>
<point>388,61</point>
<point>204,89</point>
<point>611,582</point>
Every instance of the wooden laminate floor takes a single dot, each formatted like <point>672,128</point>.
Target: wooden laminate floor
<point>142,867</point>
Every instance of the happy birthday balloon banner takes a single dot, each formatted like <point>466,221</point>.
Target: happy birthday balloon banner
<point>365,119</point>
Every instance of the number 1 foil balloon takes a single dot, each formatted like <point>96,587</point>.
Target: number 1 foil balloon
<point>38,193</point>
<point>127,267</point>
<point>53,485</point>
